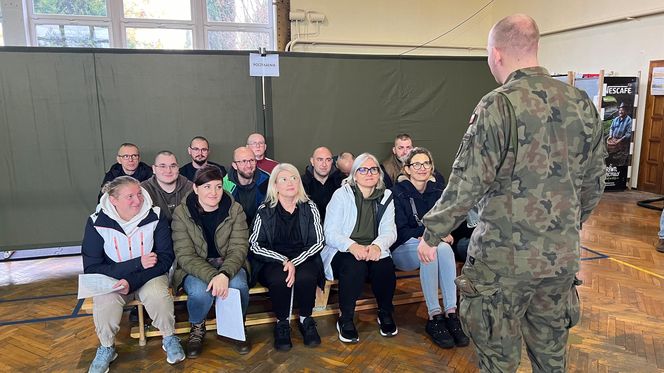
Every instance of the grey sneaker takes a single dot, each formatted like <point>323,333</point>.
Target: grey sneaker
<point>660,245</point>
<point>104,357</point>
<point>174,351</point>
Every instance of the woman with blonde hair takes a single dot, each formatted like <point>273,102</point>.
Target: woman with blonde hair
<point>286,240</point>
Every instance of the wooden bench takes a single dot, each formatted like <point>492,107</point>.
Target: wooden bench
<point>321,308</point>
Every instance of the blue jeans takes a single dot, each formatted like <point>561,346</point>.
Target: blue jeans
<point>661,225</point>
<point>199,301</point>
<point>442,270</point>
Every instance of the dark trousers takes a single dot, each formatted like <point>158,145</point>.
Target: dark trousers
<point>353,273</point>
<point>273,277</point>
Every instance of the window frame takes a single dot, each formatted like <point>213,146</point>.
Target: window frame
<point>117,24</point>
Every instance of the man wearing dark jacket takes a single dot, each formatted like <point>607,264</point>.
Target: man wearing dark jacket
<point>129,164</point>
<point>246,183</point>
<point>199,150</point>
<point>166,187</point>
<point>321,179</point>
<point>393,165</point>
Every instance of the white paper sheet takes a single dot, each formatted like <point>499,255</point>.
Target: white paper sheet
<point>93,284</point>
<point>230,322</point>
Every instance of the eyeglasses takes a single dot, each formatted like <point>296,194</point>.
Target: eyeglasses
<point>128,156</point>
<point>162,166</point>
<point>202,150</point>
<point>257,143</point>
<point>368,170</point>
<point>244,162</point>
<point>284,180</point>
<point>419,165</point>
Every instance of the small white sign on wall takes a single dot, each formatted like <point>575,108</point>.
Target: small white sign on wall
<point>267,65</point>
<point>657,85</point>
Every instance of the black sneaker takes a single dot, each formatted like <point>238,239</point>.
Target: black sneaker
<point>347,331</point>
<point>309,332</point>
<point>437,330</point>
<point>282,341</point>
<point>454,327</point>
<point>387,326</point>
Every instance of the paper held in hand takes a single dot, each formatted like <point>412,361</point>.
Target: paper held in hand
<point>230,322</point>
<point>93,284</point>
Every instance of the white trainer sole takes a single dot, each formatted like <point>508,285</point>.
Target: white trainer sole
<point>396,331</point>
<point>346,340</point>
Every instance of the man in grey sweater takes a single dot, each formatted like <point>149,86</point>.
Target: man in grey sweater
<point>166,187</point>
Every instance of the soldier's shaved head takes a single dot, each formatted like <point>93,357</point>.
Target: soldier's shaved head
<point>512,45</point>
<point>517,34</point>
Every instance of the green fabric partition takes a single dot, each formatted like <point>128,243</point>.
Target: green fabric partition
<point>64,112</point>
<point>358,104</point>
<point>49,148</point>
<point>161,101</point>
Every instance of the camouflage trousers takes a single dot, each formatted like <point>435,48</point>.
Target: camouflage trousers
<point>497,313</point>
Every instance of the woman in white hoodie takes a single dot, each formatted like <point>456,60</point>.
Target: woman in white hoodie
<point>129,240</point>
<point>359,230</point>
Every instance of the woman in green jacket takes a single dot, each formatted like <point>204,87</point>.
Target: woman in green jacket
<point>210,240</point>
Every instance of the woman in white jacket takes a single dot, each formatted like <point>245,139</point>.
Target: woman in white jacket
<point>359,230</point>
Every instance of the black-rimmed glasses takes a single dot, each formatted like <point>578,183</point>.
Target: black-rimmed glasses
<point>419,165</point>
<point>368,170</point>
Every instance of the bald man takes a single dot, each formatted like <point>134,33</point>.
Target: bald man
<point>321,179</point>
<point>256,142</point>
<point>246,183</point>
<point>533,155</point>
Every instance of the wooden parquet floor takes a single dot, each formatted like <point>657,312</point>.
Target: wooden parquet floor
<point>621,329</point>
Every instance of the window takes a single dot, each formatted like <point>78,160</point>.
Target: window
<point>238,24</point>
<point>2,38</point>
<point>69,23</point>
<point>151,24</point>
<point>62,35</point>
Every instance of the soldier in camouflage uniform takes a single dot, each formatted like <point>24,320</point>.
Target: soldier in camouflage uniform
<point>533,157</point>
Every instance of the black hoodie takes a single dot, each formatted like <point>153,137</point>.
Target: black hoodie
<point>142,173</point>
<point>321,193</point>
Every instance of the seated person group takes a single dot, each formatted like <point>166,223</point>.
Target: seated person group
<point>351,219</point>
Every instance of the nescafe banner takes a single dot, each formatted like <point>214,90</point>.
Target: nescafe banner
<point>619,98</point>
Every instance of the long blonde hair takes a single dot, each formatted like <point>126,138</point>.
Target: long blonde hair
<point>272,196</point>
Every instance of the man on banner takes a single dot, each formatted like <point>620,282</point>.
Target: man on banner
<point>620,136</point>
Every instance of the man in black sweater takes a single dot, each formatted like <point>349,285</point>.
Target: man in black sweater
<point>321,179</point>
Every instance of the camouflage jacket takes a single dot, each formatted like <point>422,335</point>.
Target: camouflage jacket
<point>534,189</point>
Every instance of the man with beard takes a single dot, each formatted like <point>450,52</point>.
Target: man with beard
<point>620,136</point>
<point>166,187</point>
<point>393,165</point>
<point>199,150</point>
<point>246,183</point>
<point>129,164</point>
<point>321,179</point>
<point>256,142</point>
